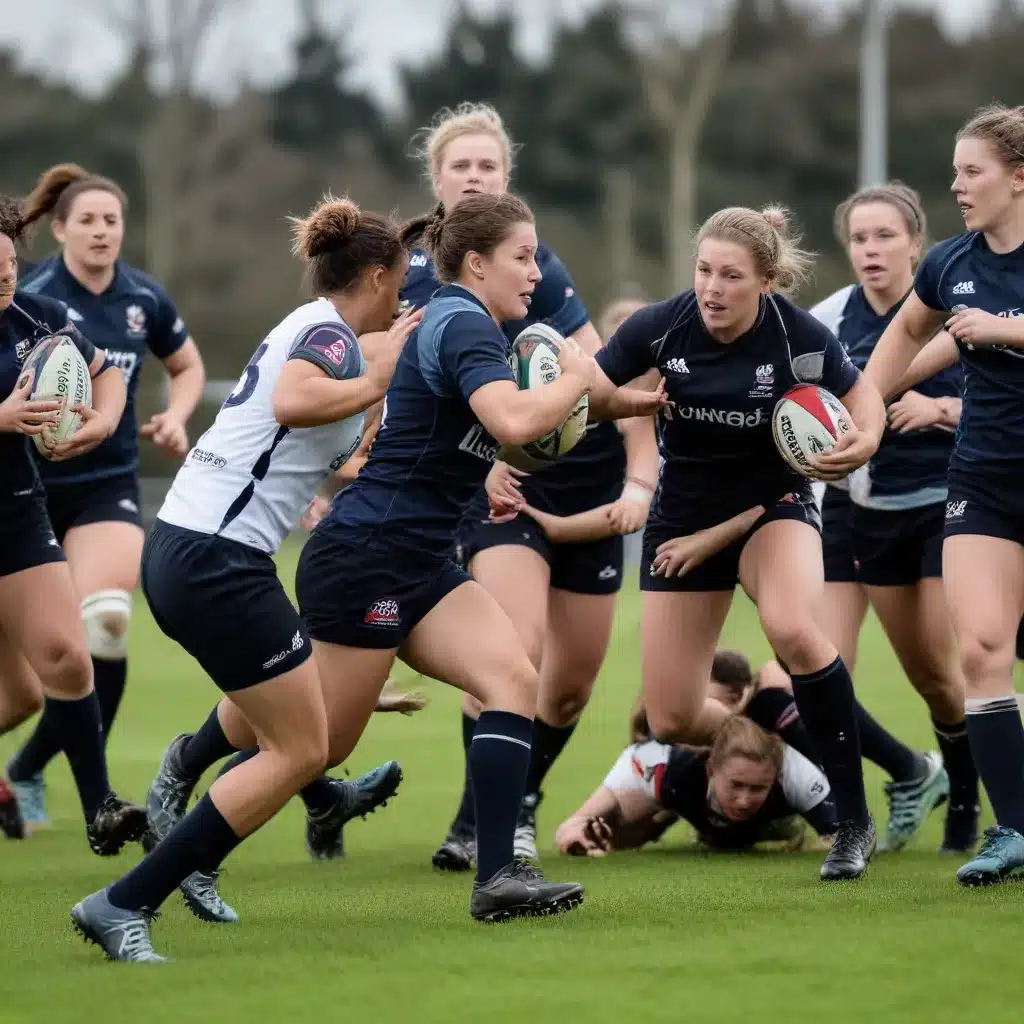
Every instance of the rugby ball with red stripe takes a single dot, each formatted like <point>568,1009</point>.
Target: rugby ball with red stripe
<point>807,421</point>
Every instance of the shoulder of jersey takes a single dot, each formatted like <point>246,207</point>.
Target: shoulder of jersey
<point>139,281</point>
<point>832,309</point>
<point>36,279</point>
<point>51,312</point>
<point>952,246</point>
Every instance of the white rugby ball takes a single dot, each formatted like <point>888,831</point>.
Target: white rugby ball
<point>60,373</point>
<point>807,420</point>
<point>534,364</point>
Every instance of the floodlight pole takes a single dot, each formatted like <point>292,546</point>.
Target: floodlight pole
<point>874,117</point>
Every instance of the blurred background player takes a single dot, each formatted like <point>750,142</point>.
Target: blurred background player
<point>882,527</point>
<point>728,349</point>
<point>973,285</point>
<point>94,501</point>
<point>43,655</point>
<point>561,598</point>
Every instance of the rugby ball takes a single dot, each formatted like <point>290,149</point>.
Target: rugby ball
<point>58,372</point>
<point>535,363</point>
<point>807,421</point>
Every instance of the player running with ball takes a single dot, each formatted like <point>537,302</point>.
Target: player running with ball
<point>44,659</point>
<point>727,349</point>
<point>560,596</point>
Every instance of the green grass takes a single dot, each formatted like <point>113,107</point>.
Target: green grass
<point>664,934</point>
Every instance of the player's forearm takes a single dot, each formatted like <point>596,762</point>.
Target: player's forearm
<point>733,529</point>
<point>532,414</point>
<point>109,394</point>
<point>891,359</point>
<point>938,354</point>
<point>576,529</point>
<point>317,401</point>
<point>642,461</point>
<point>186,389</point>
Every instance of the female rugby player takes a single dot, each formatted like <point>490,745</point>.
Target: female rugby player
<point>882,528</point>
<point>561,598</point>
<point>376,574</point>
<point>746,789</point>
<point>973,284</point>
<point>296,413</point>
<point>727,349</point>
<point>94,501</point>
<point>43,652</point>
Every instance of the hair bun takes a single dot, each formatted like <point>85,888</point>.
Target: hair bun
<point>330,225</point>
<point>777,217</point>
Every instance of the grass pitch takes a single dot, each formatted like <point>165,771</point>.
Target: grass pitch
<point>664,934</point>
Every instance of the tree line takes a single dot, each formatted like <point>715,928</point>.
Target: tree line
<point>625,139</point>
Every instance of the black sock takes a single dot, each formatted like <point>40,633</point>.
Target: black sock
<point>110,679</point>
<point>997,743</point>
<point>465,817</point>
<point>882,748</point>
<point>828,707</point>
<point>775,710</point>
<point>199,842</point>
<point>319,795</point>
<point>500,758</point>
<point>75,728</point>
<point>955,747</point>
<point>37,751</point>
<point>240,757</point>
<point>548,742</point>
<point>206,747</point>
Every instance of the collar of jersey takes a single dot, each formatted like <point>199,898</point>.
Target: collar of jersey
<point>458,289</point>
<point>61,269</point>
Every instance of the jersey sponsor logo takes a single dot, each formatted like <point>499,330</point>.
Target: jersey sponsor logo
<point>125,362</point>
<point>22,349</point>
<point>676,365</point>
<point>418,260</point>
<point>477,442</point>
<point>135,317</point>
<point>178,326</point>
<point>609,572</point>
<point>336,351</point>
<point>964,288</point>
<point>725,417</point>
<point>74,315</point>
<point>956,509</point>
<point>128,505</point>
<point>383,613</point>
<point>205,458</point>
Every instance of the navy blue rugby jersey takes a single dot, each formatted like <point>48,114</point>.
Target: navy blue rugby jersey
<point>431,454</point>
<point>132,316</point>
<point>964,272</point>
<point>909,470</point>
<point>716,438</point>
<point>28,319</point>
<point>569,485</point>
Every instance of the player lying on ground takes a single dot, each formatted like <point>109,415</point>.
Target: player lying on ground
<point>748,788</point>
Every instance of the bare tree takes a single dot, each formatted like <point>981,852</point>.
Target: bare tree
<point>166,38</point>
<point>680,79</point>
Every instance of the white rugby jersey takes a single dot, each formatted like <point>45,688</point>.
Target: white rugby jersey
<point>248,478</point>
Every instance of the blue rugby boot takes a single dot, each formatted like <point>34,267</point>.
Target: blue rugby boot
<point>1001,856</point>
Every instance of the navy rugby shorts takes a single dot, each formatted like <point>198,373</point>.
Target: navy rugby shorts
<point>223,602</point>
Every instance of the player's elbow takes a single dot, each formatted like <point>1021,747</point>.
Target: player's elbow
<point>510,427</point>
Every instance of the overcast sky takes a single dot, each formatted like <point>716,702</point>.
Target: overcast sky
<point>71,39</point>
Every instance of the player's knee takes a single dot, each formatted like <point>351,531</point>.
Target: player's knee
<point>795,636</point>
<point>63,667</point>
<point>107,615</point>
<point>564,709</point>
<point>511,687</point>
<point>984,655</point>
